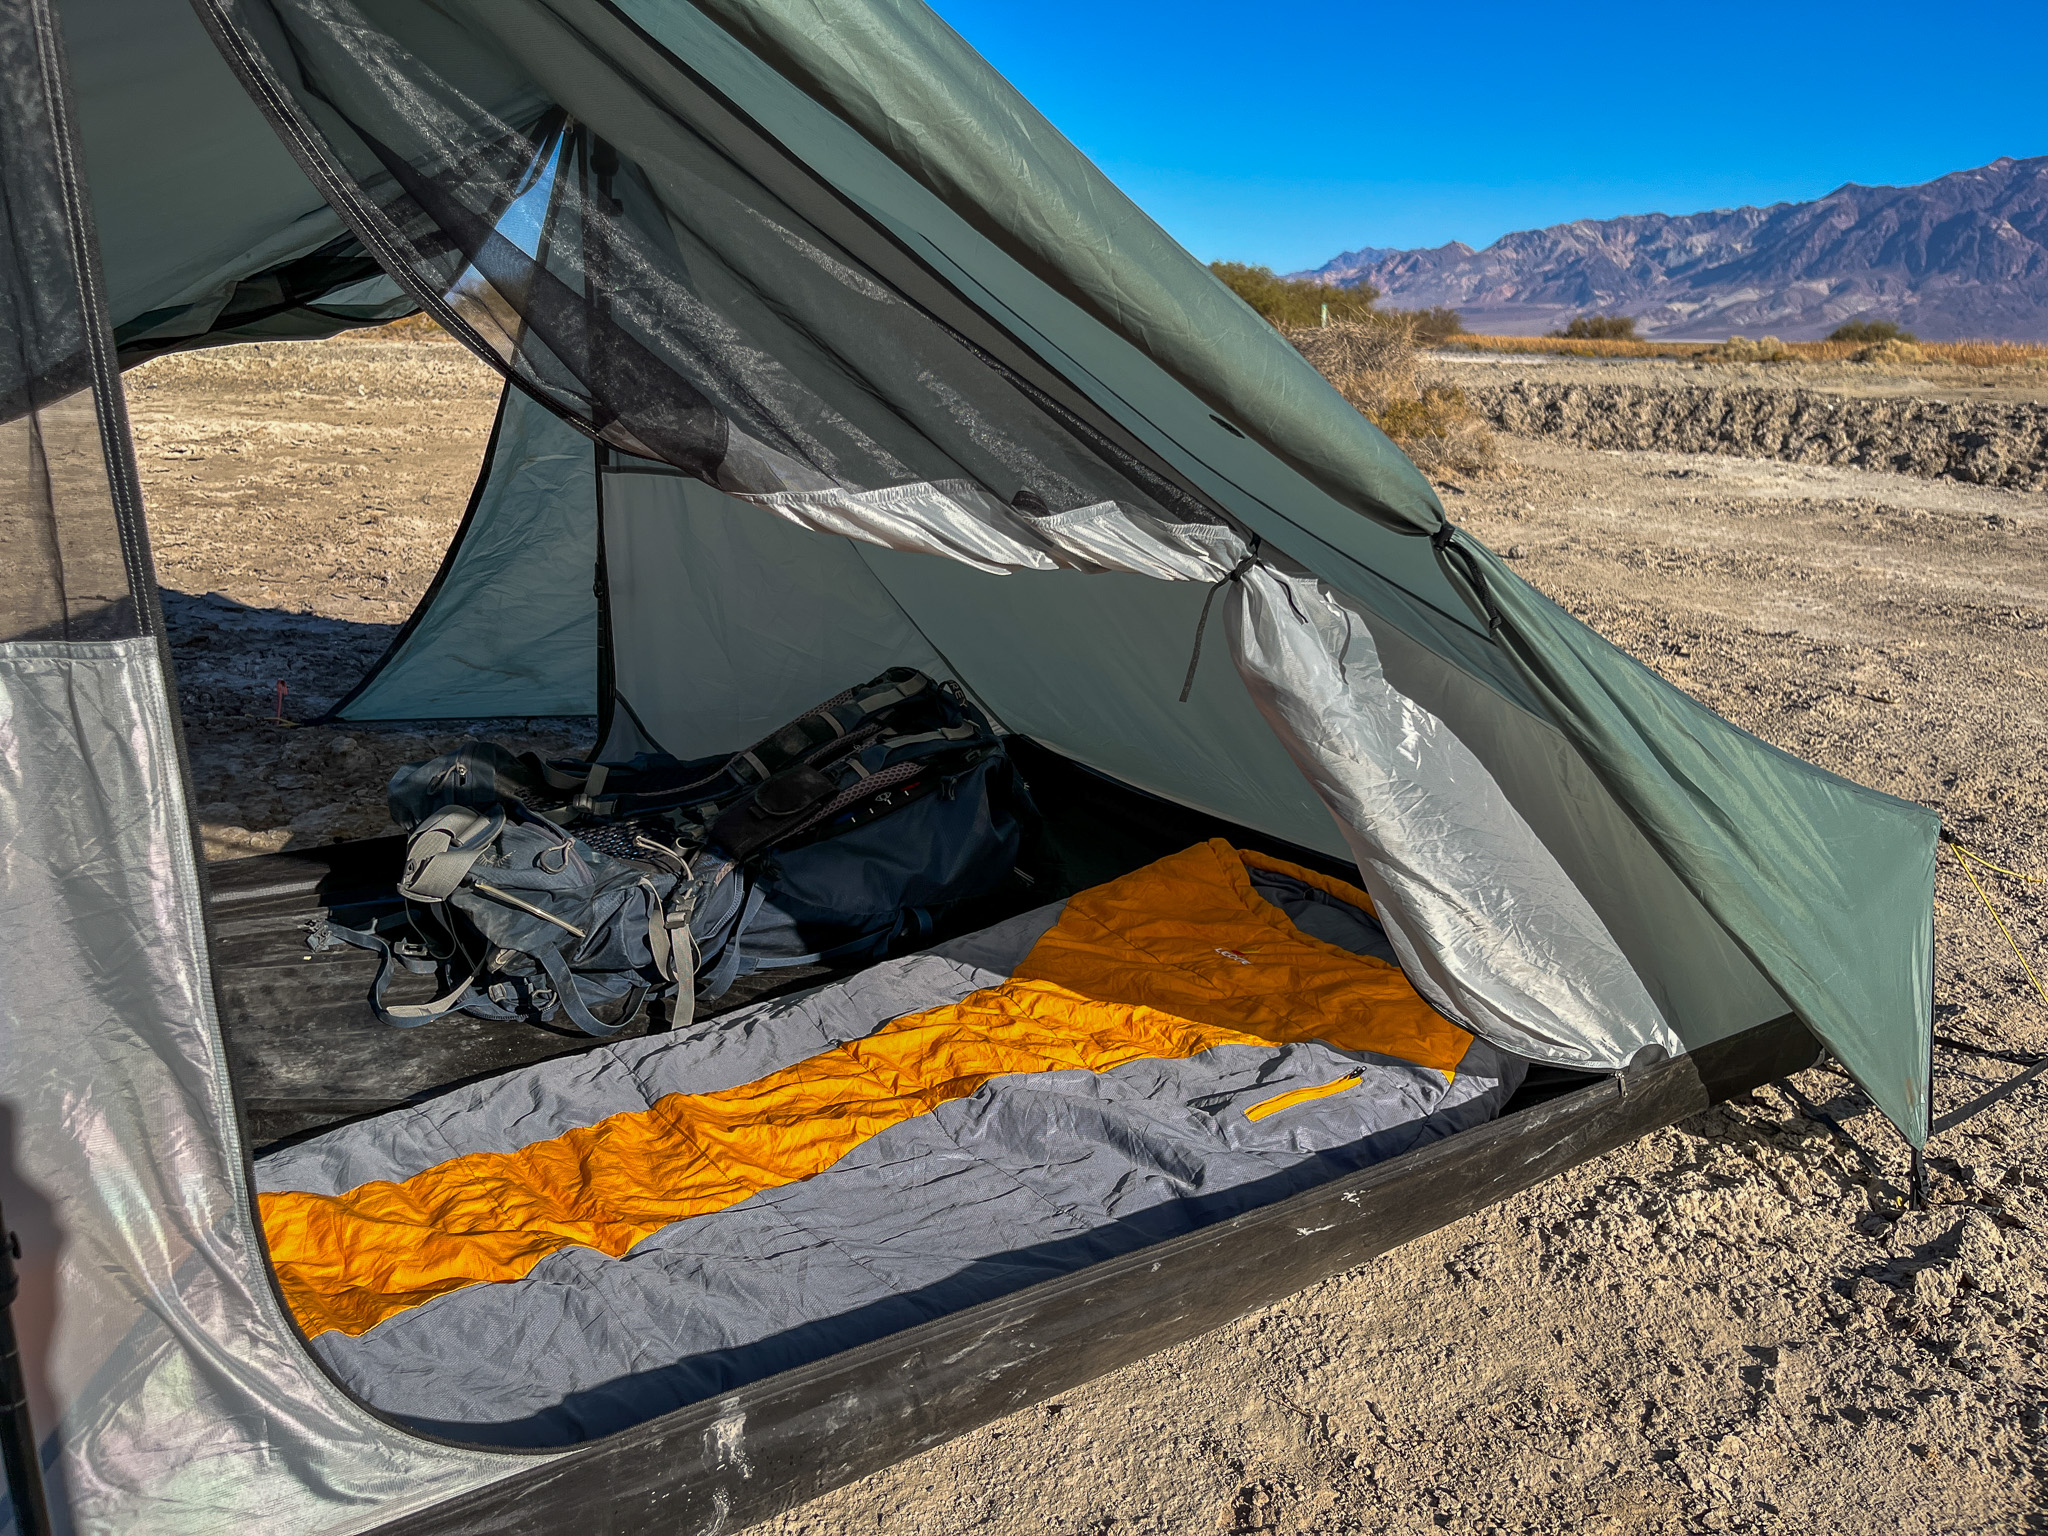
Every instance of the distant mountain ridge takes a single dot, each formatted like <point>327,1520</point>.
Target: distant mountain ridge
<point>1963,256</point>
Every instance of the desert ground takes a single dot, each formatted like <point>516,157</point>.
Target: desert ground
<point>1734,1325</point>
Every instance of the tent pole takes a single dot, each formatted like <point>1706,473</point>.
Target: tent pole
<point>17,1434</point>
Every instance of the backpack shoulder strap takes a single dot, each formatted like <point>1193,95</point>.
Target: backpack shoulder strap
<point>442,852</point>
<point>389,963</point>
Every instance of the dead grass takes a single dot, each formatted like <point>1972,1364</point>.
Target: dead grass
<point>1442,433</point>
<point>1965,354</point>
<point>1740,349</point>
<point>420,326</point>
<point>1374,367</point>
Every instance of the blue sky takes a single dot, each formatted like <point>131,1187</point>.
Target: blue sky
<point>1282,132</point>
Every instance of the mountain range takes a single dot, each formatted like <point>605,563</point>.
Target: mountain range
<point>1963,256</point>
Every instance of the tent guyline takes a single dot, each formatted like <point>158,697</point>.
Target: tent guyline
<point>1966,856</point>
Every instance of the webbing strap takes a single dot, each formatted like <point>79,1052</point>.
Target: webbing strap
<point>445,848</point>
<point>403,1015</point>
<point>555,778</point>
<point>563,980</point>
<point>685,1011</point>
<point>884,699</point>
<point>962,732</point>
<point>659,944</point>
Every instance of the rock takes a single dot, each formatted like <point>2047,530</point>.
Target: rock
<point>219,843</point>
<point>1932,1288</point>
<point>1979,1241</point>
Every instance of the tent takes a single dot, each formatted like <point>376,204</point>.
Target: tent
<point>824,352</point>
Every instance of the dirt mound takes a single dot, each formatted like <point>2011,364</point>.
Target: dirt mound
<point>2002,444</point>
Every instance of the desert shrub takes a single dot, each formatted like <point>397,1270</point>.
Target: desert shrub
<point>1740,349</point>
<point>1373,366</point>
<point>1867,333</point>
<point>1893,351</point>
<point>1441,432</point>
<point>1294,301</point>
<point>1600,328</point>
<point>1432,327</point>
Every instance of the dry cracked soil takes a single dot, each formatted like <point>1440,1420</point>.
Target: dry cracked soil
<point>1733,1325</point>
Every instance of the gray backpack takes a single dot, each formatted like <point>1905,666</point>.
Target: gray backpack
<point>835,839</point>
<point>520,918</point>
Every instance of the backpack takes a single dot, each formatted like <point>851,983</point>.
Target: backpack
<point>843,835</point>
<point>522,920</point>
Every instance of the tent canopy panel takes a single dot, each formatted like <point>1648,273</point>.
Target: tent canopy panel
<point>195,197</point>
<point>1704,985</point>
<point>727,623</point>
<point>1092,665</point>
<point>509,626</point>
<point>912,87</point>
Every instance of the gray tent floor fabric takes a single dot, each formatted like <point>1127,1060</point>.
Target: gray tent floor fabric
<point>1033,1176</point>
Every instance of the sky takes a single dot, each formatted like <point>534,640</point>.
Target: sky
<point>1281,133</point>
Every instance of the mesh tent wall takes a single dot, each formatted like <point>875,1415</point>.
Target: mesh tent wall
<point>146,1300</point>
<point>799,298</point>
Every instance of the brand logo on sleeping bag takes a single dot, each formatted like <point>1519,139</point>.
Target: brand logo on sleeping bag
<point>1233,954</point>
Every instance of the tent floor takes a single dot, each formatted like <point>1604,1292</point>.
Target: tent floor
<point>306,1053</point>
<point>819,1426</point>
